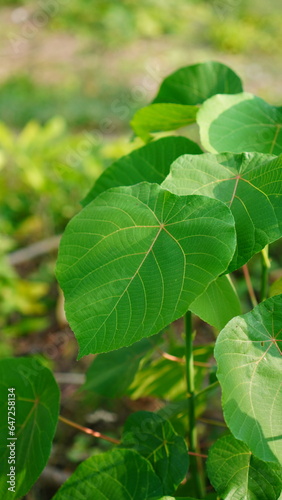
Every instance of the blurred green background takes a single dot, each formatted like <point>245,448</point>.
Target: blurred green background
<point>72,74</point>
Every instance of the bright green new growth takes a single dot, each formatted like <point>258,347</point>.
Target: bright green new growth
<point>134,259</point>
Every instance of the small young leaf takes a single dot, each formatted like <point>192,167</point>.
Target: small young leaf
<point>155,439</point>
<point>239,123</point>
<point>150,163</point>
<point>36,411</point>
<point>115,475</point>
<point>111,374</point>
<point>218,304</point>
<point>248,353</point>
<point>196,83</point>
<point>249,183</point>
<point>162,117</point>
<point>135,258</point>
<point>236,474</point>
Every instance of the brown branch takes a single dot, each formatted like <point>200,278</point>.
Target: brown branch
<point>249,285</point>
<point>86,430</point>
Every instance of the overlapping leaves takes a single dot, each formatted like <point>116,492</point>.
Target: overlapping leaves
<point>249,183</point>
<point>150,163</point>
<point>239,123</point>
<point>155,439</point>
<point>118,474</point>
<point>176,104</point>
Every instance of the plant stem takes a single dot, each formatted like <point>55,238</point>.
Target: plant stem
<point>265,265</point>
<point>86,430</point>
<point>195,463</point>
<point>249,285</point>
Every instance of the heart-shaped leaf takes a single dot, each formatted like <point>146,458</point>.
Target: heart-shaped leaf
<point>135,258</point>
<point>150,163</point>
<point>34,398</point>
<point>196,83</point>
<point>235,473</point>
<point>162,117</point>
<point>239,123</point>
<point>249,183</point>
<point>248,353</point>
<point>155,439</point>
<point>218,304</point>
<point>118,474</point>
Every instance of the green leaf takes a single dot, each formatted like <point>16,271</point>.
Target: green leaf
<point>194,84</point>
<point>161,378</point>
<point>249,183</point>
<point>111,374</point>
<point>118,474</point>
<point>162,117</point>
<point>218,304</point>
<point>236,474</point>
<point>276,288</point>
<point>156,440</point>
<point>239,123</point>
<point>135,258</point>
<point>36,414</point>
<point>150,163</point>
<point>248,353</point>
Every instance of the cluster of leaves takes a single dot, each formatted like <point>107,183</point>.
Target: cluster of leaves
<point>158,235</point>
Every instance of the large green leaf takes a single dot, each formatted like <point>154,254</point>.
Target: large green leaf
<point>218,304</point>
<point>150,163</point>
<point>239,123</point>
<point>248,353</point>
<point>115,475</point>
<point>236,474</point>
<point>249,183</point>
<point>110,374</point>
<point>162,117</point>
<point>36,414</point>
<point>196,83</point>
<point>135,258</point>
<point>155,439</point>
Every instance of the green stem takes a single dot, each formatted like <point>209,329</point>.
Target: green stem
<point>265,265</point>
<point>196,467</point>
